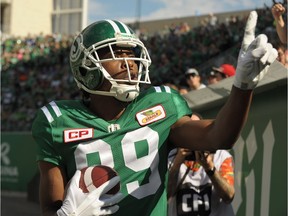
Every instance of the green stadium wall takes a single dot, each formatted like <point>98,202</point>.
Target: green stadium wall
<point>260,153</point>
<point>260,157</point>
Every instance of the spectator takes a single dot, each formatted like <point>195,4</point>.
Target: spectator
<point>213,19</point>
<point>283,55</point>
<point>278,10</point>
<point>200,183</point>
<point>213,77</point>
<point>193,79</point>
<point>223,72</point>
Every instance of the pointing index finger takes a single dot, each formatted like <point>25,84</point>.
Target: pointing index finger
<point>249,34</point>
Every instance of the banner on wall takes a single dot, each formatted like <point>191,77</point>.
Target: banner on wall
<point>18,161</point>
<point>260,156</point>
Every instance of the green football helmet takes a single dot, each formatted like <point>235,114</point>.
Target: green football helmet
<point>86,63</point>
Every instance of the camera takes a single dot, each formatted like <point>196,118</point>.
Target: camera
<point>191,157</point>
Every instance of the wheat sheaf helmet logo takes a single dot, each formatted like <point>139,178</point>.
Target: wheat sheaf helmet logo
<point>76,48</point>
<point>150,115</point>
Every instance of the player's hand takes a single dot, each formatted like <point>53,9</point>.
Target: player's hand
<point>97,202</point>
<point>255,56</point>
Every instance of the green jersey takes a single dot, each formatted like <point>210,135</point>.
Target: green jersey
<point>69,135</point>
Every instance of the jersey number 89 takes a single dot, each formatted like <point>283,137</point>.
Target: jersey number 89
<point>141,164</point>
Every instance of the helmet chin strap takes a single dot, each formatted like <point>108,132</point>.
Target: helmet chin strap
<point>125,93</point>
<point>121,92</point>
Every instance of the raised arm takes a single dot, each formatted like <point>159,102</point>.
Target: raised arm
<point>254,59</point>
<point>220,133</point>
<point>278,10</point>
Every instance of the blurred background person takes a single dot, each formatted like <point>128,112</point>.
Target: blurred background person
<point>282,55</point>
<point>200,183</point>
<point>278,10</point>
<point>219,73</point>
<point>193,79</point>
<point>214,77</point>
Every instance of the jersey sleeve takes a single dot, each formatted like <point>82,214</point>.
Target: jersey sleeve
<point>42,133</point>
<point>181,105</point>
<point>226,165</point>
<point>227,170</point>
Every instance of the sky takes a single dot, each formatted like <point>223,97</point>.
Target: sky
<point>130,11</point>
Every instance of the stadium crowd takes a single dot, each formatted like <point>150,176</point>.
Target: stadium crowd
<point>35,70</point>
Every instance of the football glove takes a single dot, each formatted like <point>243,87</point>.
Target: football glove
<point>94,203</point>
<point>255,56</point>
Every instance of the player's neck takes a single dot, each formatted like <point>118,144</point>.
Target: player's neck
<point>107,107</point>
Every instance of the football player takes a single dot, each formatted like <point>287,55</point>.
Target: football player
<point>118,125</point>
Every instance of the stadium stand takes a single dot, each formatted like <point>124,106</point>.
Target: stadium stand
<point>35,70</point>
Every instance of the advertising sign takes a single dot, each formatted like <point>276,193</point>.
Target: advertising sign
<point>18,161</point>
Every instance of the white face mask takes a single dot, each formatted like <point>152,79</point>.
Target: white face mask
<point>122,89</point>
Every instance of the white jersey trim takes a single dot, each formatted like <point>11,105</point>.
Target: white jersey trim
<point>47,114</point>
<point>157,89</point>
<point>166,89</point>
<point>55,108</point>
